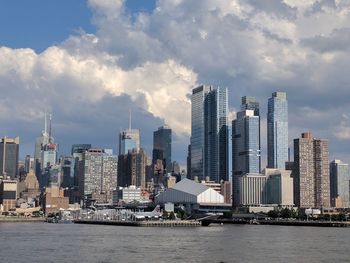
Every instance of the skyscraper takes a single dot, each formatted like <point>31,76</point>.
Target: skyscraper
<point>277,131</point>
<point>9,149</point>
<point>39,143</point>
<point>197,131</point>
<point>246,143</point>
<point>129,139</point>
<point>339,184</point>
<point>162,146</point>
<point>311,172</point>
<point>209,133</point>
<point>132,168</point>
<point>216,135</point>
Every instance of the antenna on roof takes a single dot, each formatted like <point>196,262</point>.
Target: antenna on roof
<point>45,127</point>
<point>50,119</point>
<point>129,119</point>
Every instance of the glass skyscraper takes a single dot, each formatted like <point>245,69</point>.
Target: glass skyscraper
<point>9,150</point>
<point>277,131</point>
<point>246,143</point>
<point>209,133</point>
<point>216,135</point>
<point>162,146</point>
<point>339,184</point>
<point>197,131</point>
<point>129,139</point>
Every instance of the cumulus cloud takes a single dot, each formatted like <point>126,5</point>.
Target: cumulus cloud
<point>152,60</point>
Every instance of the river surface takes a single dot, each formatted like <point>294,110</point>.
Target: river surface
<point>43,242</point>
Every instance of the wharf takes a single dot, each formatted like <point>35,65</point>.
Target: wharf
<point>15,219</point>
<point>305,223</point>
<point>165,223</point>
<point>207,222</point>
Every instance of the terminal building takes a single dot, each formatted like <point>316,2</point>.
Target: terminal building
<point>195,197</point>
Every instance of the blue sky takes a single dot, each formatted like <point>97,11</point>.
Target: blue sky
<point>39,24</point>
<point>89,62</point>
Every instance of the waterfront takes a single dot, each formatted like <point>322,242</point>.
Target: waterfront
<point>42,242</point>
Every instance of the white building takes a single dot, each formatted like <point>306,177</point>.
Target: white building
<point>193,195</point>
<point>127,195</point>
<point>252,190</point>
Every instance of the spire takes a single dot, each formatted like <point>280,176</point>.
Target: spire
<point>129,119</point>
<point>50,119</point>
<point>45,127</point>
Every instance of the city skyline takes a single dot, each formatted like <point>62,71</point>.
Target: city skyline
<point>153,73</point>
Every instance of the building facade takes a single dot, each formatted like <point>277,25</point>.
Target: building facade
<point>9,150</point>
<point>279,187</point>
<point>311,172</point>
<point>129,139</point>
<point>162,147</point>
<point>209,134</point>
<point>99,173</point>
<point>339,184</point>
<point>277,131</point>
<point>132,168</point>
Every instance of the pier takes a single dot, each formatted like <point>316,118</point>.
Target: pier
<point>164,223</point>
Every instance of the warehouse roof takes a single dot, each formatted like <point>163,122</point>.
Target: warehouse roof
<point>191,187</point>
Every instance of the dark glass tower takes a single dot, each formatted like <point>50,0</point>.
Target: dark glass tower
<point>162,147</point>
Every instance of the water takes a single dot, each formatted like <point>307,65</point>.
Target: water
<point>43,242</point>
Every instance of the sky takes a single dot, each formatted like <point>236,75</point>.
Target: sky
<point>90,62</point>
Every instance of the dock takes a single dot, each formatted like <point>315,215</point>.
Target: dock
<point>164,223</point>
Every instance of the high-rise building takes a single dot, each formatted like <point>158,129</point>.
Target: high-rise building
<point>100,174</point>
<point>40,142</point>
<point>245,143</point>
<point>132,168</point>
<point>162,146</point>
<point>277,131</point>
<point>311,172</point>
<point>197,131</point>
<point>129,139</point>
<point>9,150</point>
<point>216,142</point>
<point>209,133</point>
<point>339,184</point>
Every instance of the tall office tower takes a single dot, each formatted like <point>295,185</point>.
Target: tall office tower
<point>189,176</point>
<point>67,167</point>
<point>277,131</point>
<point>99,176</point>
<point>216,135</point>
<point>250,103</point>
<point>78,150</point>
<point>129,139</point>
<point>132,168</point>
<point>9,149</point>
<point>209,138</point>
<point>339,184</point>
<point>311,172</point>
<point>162,147</point>
<point>197,131</point>
<point>245,143</point>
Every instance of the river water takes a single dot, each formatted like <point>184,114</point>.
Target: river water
<point>43,242</point>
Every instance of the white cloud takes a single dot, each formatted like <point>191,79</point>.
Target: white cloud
<point>252,47</point>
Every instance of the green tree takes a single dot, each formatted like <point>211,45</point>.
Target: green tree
<point>171,215</point>
<point>286,213</point>
<point>273,214</point>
